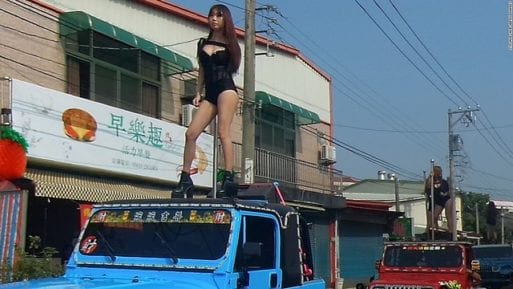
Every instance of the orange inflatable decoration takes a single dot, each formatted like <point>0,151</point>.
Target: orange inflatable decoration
<point>13,154</point>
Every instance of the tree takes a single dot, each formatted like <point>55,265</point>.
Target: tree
<point>469,201</point>
<point>36,262</point>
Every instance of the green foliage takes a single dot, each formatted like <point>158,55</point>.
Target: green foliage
<point>36,262</point>
<point>469,202</point>
<point>12,135</point>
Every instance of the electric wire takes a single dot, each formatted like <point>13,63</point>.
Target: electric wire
<point>496,136</point>
<point>508,152</point>
<point>491,127</point>
<point>494,148</point>
<point>490,174</point>
<point>500,140</point>
<point>398,119</point>
<point>417,52</point>
<point>359,152</point>
<point>312,104</point>
<point>47,39</point>
<point>406,56</point>
<point>367,156</point>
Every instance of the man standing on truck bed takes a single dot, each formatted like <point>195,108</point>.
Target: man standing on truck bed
<point>442,199</point>
<point>491,222</point>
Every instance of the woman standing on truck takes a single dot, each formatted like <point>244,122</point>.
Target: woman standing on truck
<point>218,58</point>
<point>442,199</point>
<point>491,222</point>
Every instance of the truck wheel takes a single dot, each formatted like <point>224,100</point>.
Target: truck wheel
<point>360,286</point>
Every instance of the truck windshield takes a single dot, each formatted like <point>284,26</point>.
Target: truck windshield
<point>159,233</point>
<point>492,252</point>
<point>431,256</point>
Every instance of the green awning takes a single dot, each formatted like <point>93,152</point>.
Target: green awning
<point>71,22</point>
<point>303,115</point>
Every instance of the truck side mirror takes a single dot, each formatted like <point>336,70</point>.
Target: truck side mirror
<point>251,257</point>
<point>475,265</point>
<point>252,252</point>
<point>377,264</point>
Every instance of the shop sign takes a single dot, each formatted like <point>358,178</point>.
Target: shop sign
<point>67,130</point>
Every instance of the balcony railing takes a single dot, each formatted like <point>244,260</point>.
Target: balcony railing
<point>270,166</point>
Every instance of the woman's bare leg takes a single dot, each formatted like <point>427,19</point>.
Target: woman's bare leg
<point>437,212</point>
<point>202,118</point>
<point>448,214</point>
<point>227,106</point>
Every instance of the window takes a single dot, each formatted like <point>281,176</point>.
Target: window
<point>189,90</point>
<point>261,231</point>
<point>150,96</point>
<point>115,52</point>
<point>108,71</point>
<point>495,251</point>
<point>158,233</point>
<point>130,92</point>
<point>105,86</point>
<point>423,256</point>
<point>275,130</point>
<point>78,77</point>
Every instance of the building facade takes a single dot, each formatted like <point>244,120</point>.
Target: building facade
<point>82,49</point>
<point>103,100</point>
<point>410,197</point>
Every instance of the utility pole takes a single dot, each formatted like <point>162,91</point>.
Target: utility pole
<point>248,113</point>
<point>477,225</point>
<point>432,200</point>
<point>396,187</point>
<point>502,226</point>
<point>467,116</point>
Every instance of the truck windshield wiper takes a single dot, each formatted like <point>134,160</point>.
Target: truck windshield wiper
<point>107,245</point>
<point>163,241</point>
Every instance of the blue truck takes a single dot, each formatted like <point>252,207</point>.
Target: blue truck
<point>496,262</point>
<point>189,243</point>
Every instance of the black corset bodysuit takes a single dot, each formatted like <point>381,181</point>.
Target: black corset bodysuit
<point>217,76</point>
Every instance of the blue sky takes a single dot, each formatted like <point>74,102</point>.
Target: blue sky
<point>396,109</point>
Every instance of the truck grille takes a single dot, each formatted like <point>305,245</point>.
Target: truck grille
<point>496,270</point>
<point>485,268</point>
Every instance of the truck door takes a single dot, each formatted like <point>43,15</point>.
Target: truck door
<point>258,253</point>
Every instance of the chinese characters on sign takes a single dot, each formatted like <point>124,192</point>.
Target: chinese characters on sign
<point>207,216</point>
<point>138,133</point>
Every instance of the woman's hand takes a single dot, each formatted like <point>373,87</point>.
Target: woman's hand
<point>196,100</point>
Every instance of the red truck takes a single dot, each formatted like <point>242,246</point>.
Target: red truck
<point>426,265</point>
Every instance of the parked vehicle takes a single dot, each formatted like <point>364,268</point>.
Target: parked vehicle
<point>426,265</point>
<point>496,264</point>
<point>190,243</point>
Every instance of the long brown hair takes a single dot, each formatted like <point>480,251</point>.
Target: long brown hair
<point>230,35</point>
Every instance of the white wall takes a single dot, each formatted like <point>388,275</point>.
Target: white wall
<point>417,210</point>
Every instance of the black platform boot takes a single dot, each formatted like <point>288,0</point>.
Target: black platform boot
<point>185,186</point>
<point>230,187</point>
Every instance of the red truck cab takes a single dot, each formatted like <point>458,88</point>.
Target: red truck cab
<point>426,265</point>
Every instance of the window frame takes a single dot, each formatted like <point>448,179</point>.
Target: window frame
<point>243,238</point>
<point>269,121</point>
<point>75,48</point>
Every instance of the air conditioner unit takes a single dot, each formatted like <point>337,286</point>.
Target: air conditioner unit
<point>188,111</point>
<point>328,154</point>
